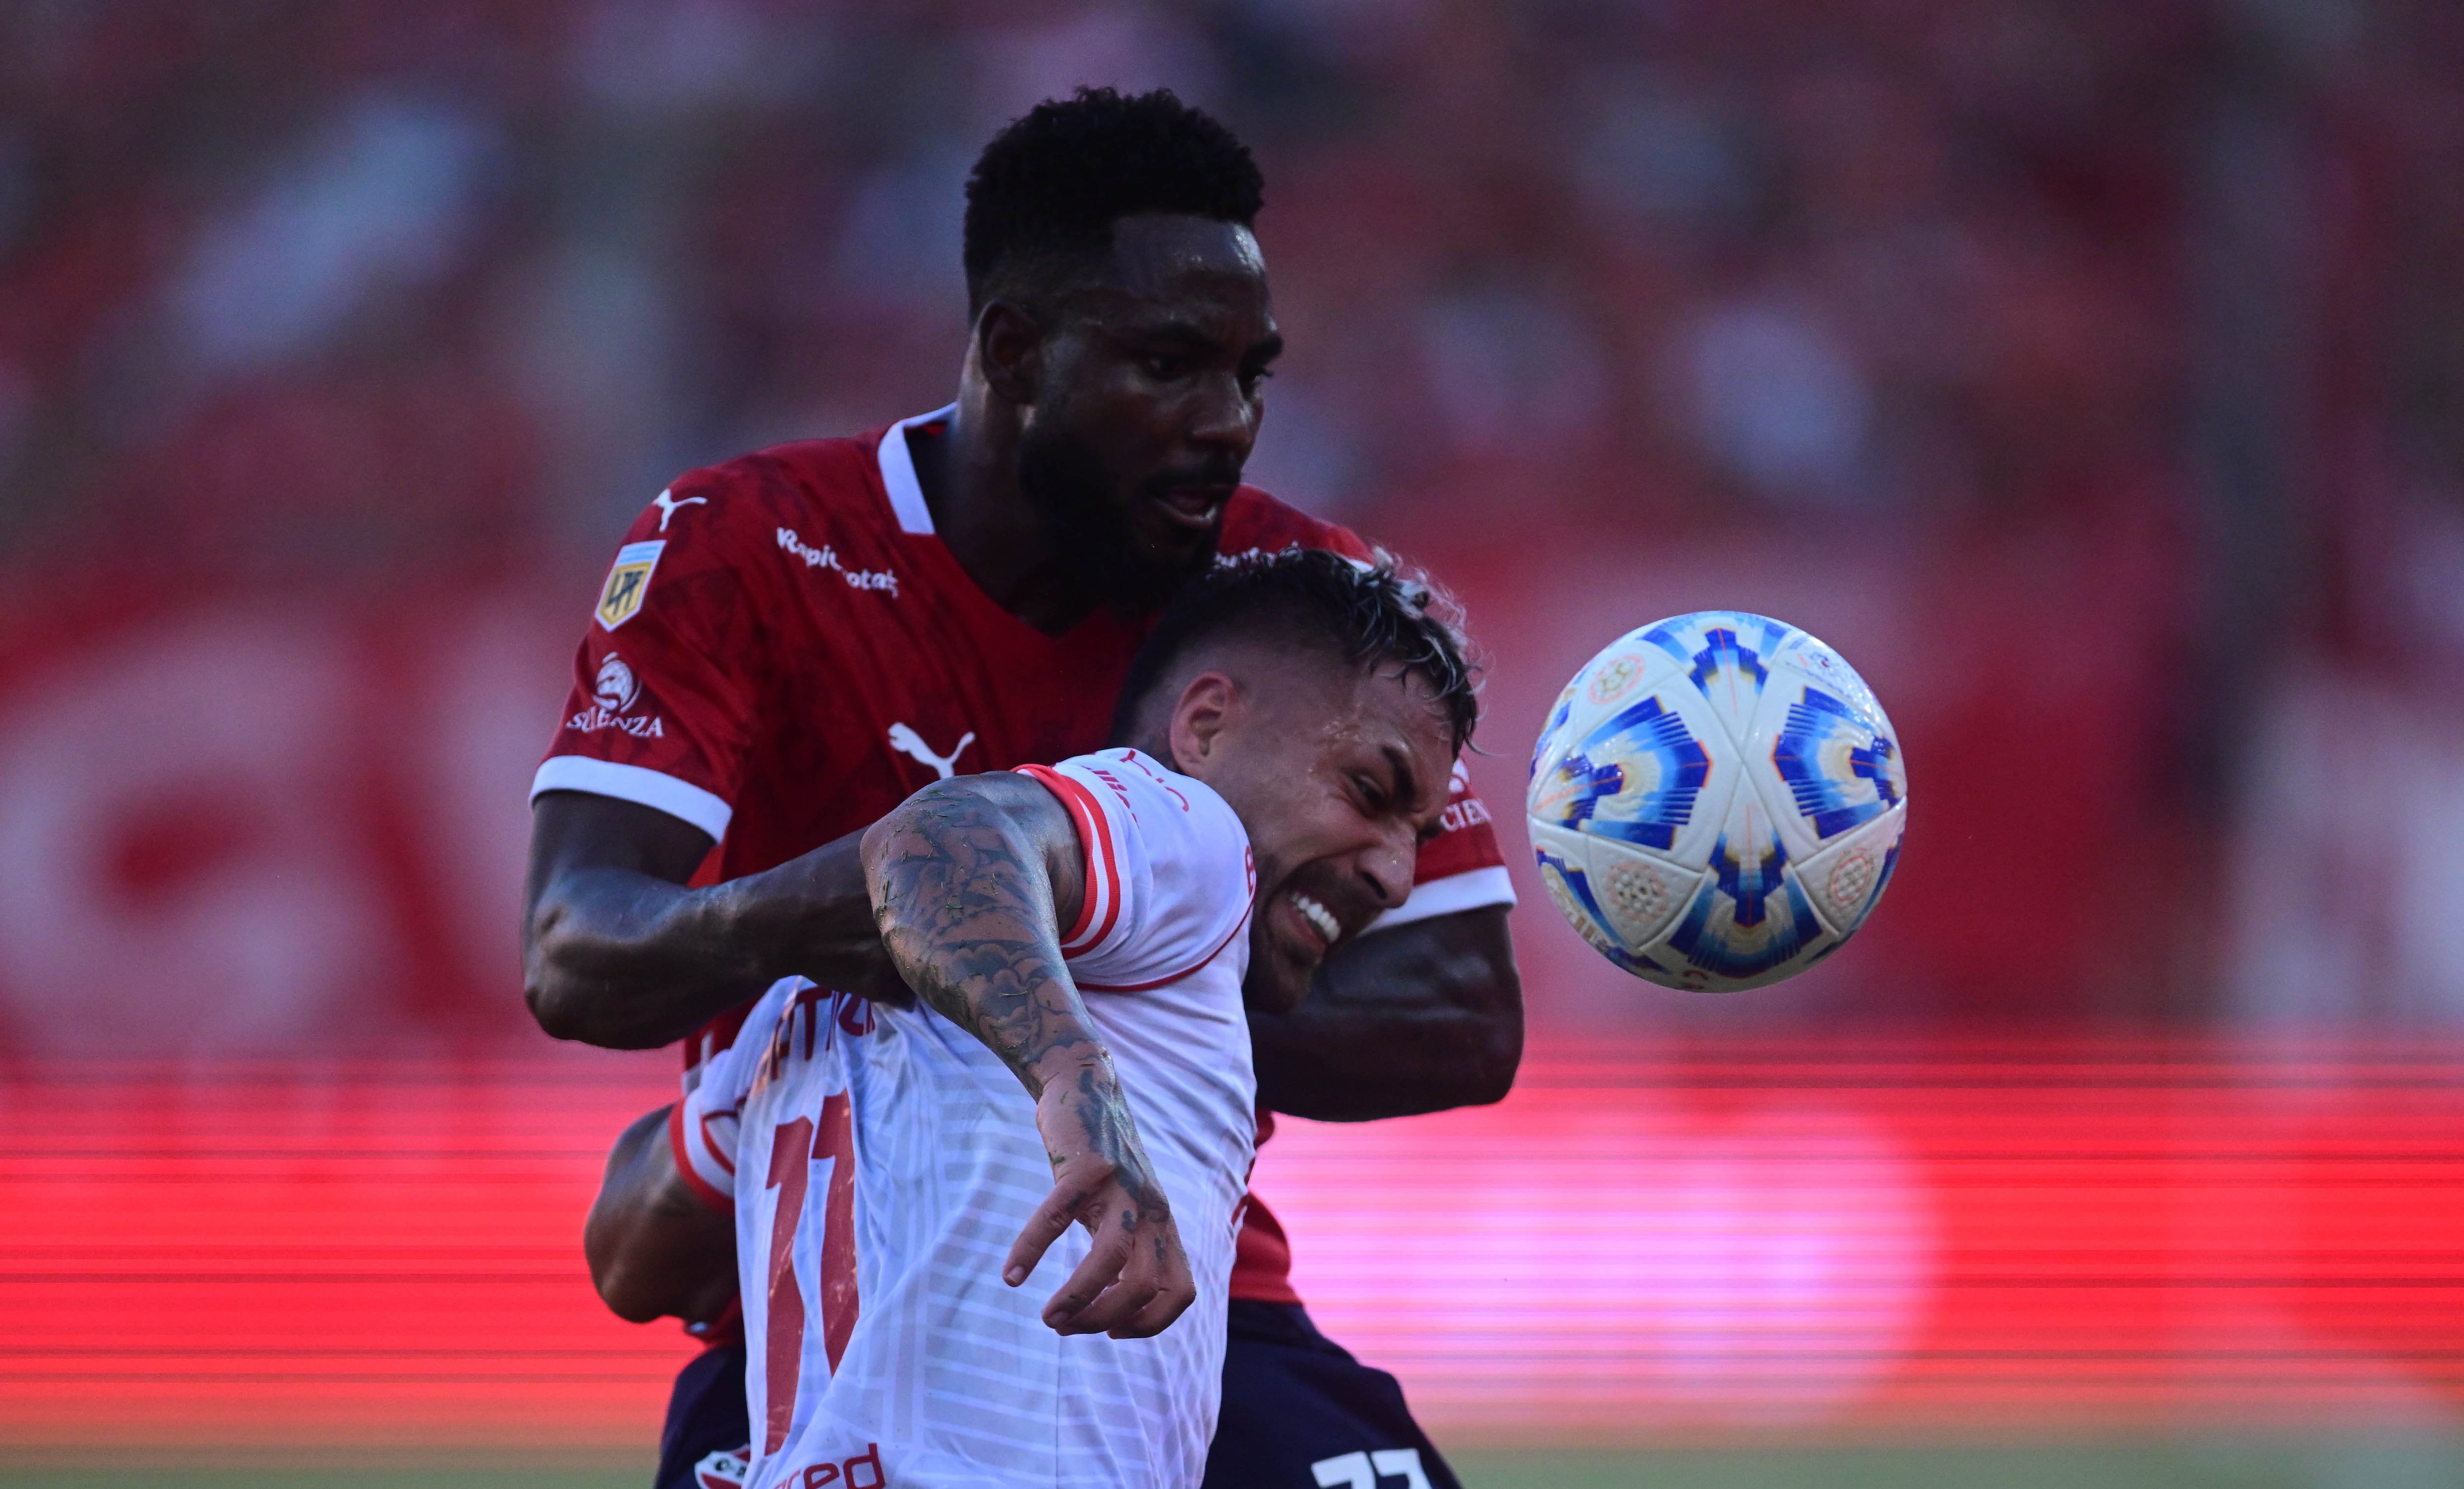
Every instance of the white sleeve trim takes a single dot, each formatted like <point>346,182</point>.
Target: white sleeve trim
<point>639,784</point>
<point>1474,888</point>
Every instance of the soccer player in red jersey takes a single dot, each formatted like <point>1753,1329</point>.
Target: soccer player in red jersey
<point>791,643</point>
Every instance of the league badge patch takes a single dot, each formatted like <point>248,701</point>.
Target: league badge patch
<point>628,582</point>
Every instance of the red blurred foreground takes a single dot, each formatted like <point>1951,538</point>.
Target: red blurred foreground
<point>1642,1240</point>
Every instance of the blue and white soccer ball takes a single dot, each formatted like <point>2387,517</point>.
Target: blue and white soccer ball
<point>1717,802</point>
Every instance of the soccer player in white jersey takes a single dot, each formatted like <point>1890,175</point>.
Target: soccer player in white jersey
<point>966,1229</point>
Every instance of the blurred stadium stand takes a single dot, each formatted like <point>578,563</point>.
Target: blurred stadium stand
<point>2091,374</point>
<point>1676,1240</point>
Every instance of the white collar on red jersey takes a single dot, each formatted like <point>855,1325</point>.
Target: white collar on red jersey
<point>898,472</point>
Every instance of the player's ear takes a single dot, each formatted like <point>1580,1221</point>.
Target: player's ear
<point>1009,348</point>
<point>1200,719</point>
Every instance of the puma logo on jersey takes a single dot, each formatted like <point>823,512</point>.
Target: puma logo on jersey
<point>667,505</point>
<point>908,742</point>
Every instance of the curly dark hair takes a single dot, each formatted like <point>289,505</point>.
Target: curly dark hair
<point>1047,190</point>
<point>1366,613</point>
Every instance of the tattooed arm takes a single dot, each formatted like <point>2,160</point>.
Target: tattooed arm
<point>971,881</point>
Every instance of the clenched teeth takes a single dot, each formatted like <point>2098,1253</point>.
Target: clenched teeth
<point>1318,915</point>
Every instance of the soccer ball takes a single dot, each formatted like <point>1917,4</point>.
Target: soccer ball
<point>1717,802</point>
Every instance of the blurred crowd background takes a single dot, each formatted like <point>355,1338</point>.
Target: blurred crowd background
<point>2090,373</point>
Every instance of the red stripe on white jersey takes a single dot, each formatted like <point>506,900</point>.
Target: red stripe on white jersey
<point>1100,906</point>
<point>701,1187</point>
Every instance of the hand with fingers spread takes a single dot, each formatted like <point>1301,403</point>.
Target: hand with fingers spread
<point>1135,1279</point>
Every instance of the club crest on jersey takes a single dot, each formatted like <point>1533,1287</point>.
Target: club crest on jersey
<point>723,1470</point>
<point>628,582</point>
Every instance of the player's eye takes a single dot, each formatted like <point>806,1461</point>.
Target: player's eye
<point>1254,378</point>
<point>1167,368</point>
<point>1372,797</point>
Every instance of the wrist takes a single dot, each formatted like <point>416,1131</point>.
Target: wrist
<point>1084,1067</point>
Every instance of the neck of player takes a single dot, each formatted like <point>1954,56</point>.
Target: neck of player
<point>969,477</point>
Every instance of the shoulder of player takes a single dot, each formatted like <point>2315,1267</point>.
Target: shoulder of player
<point>800,492</point>
<point>1024,796</point>
<point>1148,800</point>
<point>1184,867</point>
<point>1165,864</point>
<point>1255,520</point>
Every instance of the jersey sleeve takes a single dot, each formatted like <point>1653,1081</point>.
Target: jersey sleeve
<point>1460,869</point>
<point>667,676</point>
<point>702,1129</point>
<point>1169,874</point>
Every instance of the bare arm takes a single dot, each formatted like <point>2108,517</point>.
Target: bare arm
<point>971,881</point>
<point>1422,1017</point>
<point>656,1250</point>
<point>617,952</point>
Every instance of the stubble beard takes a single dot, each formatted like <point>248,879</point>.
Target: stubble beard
<point>1065,483</point>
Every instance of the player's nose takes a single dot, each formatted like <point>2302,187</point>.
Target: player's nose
<point>1386,867</point>
<point>1223,420</point>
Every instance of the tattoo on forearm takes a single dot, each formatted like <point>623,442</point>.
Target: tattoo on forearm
<point>965,910</point>
<point>958,908</point>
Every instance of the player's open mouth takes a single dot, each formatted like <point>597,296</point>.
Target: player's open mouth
<point>1194,506</point>
<point>1320,919</point>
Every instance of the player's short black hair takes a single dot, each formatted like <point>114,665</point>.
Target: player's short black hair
<point>1047,190</point>
<point>1364,613</point>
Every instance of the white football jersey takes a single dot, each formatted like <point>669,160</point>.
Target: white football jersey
<point>880,1161</point>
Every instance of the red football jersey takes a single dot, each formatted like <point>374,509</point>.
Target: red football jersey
<point>784,650</point>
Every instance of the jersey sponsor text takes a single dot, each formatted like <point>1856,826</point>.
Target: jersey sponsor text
<point>828,557</point>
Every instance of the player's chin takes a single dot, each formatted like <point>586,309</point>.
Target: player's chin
<point>1177,536</point>
<point>1283,960</point>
